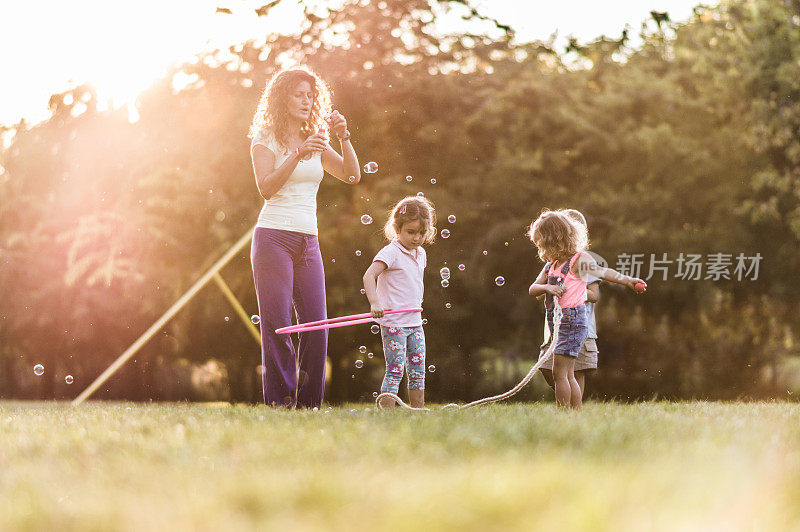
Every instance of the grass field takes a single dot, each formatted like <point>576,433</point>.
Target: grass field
<point>645,466</point>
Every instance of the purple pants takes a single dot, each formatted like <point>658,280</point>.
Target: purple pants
<point>287,269</point>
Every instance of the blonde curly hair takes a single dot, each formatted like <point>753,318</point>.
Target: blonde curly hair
<point>557,236</point>
<point>271,112</point>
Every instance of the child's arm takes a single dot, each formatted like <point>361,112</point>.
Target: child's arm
<point>541,279</point>
<point>586,264</point>
<point>540,287</point>
<point>593,292</point>
<point>371,287</point>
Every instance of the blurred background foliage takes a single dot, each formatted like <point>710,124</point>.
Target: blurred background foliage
<point>685,143</point>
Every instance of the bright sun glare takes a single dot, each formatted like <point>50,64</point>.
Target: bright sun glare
<point>119,48</point>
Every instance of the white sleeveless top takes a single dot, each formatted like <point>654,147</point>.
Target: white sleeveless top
<point>294,206</point>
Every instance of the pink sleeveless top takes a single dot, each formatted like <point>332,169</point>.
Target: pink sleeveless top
<point>575,295</point>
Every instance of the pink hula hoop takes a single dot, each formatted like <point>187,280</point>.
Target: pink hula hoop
<point>341,321</point>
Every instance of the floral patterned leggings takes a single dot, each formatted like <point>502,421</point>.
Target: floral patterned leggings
<point>403,347</point>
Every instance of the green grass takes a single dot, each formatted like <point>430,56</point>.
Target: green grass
<point>646,466</point>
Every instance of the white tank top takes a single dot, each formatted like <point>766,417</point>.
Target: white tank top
<point>294,206</point>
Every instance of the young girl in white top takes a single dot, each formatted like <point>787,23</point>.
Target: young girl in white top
<point>394,281</point>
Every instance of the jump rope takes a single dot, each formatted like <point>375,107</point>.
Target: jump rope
<point>356,319</point>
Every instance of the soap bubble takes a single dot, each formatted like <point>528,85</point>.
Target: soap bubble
<point>462,267</point>
<point>485,252</point>
<point>433,181</point>
<point>363,291</point>
<point>227,318</point>
<point>445,273</point>
<point>38,369</point>
<point>371,167</point>
<point>445,233</point>
<point>375,329</point>
<point>359,363</point>
<point>424,321</point>
<point>352,179</point>
<point>420,194</point>
<point>451,218</point>
<point>362,349</point>
<point>409,178</point>
<point>447,305</point>
<point>445,283</point>
<point>506,244</point>
<point>431,369</point>
<point>370,355</point>
<point>366,219</point>
<point>256,319</point>
<point>374,394</point>
<point>68,379</point>
<point>358,253</point>
<point>499,281</point>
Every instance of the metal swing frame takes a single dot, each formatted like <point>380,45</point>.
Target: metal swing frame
<point>211,274</point>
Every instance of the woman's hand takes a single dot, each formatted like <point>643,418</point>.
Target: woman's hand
<point>555,290</point>
<point>377,310</point>
<point>314,143</point>
<point>337,123</point>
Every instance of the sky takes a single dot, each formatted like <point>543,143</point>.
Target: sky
<point>48,46</point>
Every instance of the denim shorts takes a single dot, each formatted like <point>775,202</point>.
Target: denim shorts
<point>572,331</point>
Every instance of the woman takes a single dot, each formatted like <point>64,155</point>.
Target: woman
<point>289,149</point>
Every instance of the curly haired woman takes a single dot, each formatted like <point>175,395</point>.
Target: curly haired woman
<point>290,154</point>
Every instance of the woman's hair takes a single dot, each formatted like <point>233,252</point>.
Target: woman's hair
<point>272,107</point>
<point>410,209</point>
<point>557,236</point>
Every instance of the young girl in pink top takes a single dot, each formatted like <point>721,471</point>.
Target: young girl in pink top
<point>394,281</point>
<point>562,243</point>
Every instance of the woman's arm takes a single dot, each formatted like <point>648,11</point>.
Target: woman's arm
<point>345,166</point>
<point>371,287</point>
<point>269,179</point>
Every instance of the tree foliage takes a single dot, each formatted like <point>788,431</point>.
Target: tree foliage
<point>686,144</point>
